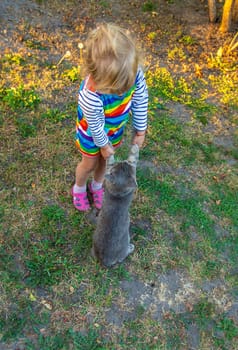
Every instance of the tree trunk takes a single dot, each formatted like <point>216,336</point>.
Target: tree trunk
<point>226,16</point>
<point>212,9</point>
<point>235,11</point>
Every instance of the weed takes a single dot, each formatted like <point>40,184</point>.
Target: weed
<point>15,59</point>
<point>152,36</point>
<point>52,213</point>
<point>187,40</point>
<point>162,84</point>
<point>103,3</point>
<point>54,115</point>
<point>20,97</point>
<point>233,44</point>
<point>35,44</point>
<point>46,266</point>
<point>149,6</point>
<point>227,87</point>
<point>90,341</point>
<point>204,312</point>
<point>211,268</point>
<point>176,52</point>
<point>225,201</point>
<point>13,325</point>
<point>70,338</point>
<point>72,74</point>
<point>227,325</point>
<point>26,127</point>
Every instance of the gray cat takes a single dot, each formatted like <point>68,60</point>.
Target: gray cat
<point>111,240</point>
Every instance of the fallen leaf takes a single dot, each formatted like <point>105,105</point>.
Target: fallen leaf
<point>189,307</point>
<point>71,289</point>
<point>32,297</point>
<point>47,304</point>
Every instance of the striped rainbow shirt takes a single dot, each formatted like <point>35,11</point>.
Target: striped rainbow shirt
<point>102,117</point>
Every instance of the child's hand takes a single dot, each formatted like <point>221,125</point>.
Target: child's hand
<point>139,138</point>
<point>107,151</point>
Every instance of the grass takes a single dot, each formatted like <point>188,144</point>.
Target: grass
<point>179,288</point>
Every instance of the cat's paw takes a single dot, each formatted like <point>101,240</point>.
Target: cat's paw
<point>131,248</point>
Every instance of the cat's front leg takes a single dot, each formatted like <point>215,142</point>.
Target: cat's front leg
<point>131,248</point>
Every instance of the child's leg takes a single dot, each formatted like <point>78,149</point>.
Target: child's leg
<point>96,185</point>
<point>83,170</point>
<point>100,170</point>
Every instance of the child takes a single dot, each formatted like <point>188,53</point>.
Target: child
<point>114,87</point>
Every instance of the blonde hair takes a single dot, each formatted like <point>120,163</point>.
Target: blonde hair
<point>111,59</point>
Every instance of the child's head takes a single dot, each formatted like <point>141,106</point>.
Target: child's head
<point>111,59</point>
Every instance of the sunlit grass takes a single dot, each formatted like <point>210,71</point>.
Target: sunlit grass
<point>227,86</point>
<point>20,97</point>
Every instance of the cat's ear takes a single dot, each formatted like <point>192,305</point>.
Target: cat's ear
<point>132,182</point>
<point>109,163</point>
<point>133,155</point>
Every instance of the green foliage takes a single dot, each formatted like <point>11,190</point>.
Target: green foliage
<point>227,88</point>
<point>190,208</point>
<point>46,266</point>
<point>225,199</point>
<point>13,326</point>
<point>163,85</point>
<point>187,40</point>
<point>89,340</point>
<point>228,326</point>
<point>149,6</point>
<point>53,213</point>
<point>13,58</point>
<point>20,97</point>
<point>176,53</point>
<point>73,74</point>
<point>44,260</point>
<point>35,44</point>
<point>54,115</point>
<point>26,127</point>
<point>204,311</point>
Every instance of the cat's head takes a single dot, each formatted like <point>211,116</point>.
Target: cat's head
<point>133,158</point>
<point>121,179</point>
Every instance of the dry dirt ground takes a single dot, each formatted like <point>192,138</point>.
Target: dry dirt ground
<point>68,22</point>
<point>62,25</point>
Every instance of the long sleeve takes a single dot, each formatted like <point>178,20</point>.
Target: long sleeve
<point>92,108</point>
<point>139,106</point>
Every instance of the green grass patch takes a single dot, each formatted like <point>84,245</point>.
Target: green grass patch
<point>54,115</point>
<point>163,85</point>
<point>177,203</point>
<point>20,97</point>
<point>149,6</point>
<point>224,202</point>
